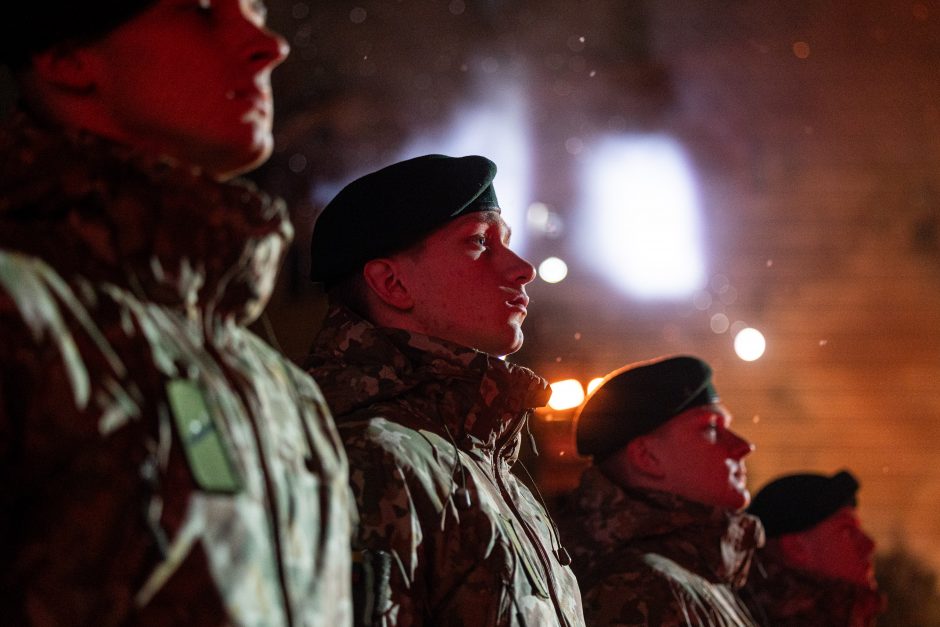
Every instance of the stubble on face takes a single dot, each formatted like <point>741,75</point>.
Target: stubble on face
<point>190,82</point>
<point>703,459</point>
<point>468,286</point>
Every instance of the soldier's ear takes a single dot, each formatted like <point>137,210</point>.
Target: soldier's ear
<point>644,458</point>
<point>384,277</point>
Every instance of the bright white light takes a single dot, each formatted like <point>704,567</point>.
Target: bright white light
<point>749,344</point>
<point>495,126</point>
<point>593,383</point>
<point>566,394</point>
<point>541,219</point>
<point>642,216</point>
<point>537,216</point>
<point>553,270</point>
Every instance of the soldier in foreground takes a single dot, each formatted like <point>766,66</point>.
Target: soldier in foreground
<point>817,568</point>
<point>160,464</point>
<point>655,527</point>
<point>426,295</point>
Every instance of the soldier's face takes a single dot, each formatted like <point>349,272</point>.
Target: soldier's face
<point>468,286</point>
<point>702,459</point>
<point>191,79</point>
<point>836,548</point>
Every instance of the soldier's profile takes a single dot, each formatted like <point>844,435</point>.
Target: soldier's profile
<point>426,296</point>
<point>655,527</point>
<point>817,567</point>
<point>161,464</point>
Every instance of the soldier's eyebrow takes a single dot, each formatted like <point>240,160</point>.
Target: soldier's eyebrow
<point>493,218</point>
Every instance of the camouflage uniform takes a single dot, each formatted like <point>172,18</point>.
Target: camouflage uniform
<point>780,596</point>
<point>423,419</point>
<point>655,559</point>
<point>160,464</point>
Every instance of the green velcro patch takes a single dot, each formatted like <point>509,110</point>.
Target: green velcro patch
<point>206,452</point>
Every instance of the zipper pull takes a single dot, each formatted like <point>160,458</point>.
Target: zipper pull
<point>462,499</point>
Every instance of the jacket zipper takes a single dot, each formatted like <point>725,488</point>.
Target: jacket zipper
<point>271,495</point>
<point>530,533</point>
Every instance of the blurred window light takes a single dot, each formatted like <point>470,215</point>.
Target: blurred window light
<point>542,220</point>
<point>496,126</point>
<point>553,270</point>
<point>749,344</point>
<point>594,383</point>
<point>641,212</point>
<point>566,394</point>
<point>537,216</point>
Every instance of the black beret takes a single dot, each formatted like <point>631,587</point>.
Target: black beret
<point>795,503</point>
<point>32,27</point>
<point>392,209</point>
<point>635,399</point>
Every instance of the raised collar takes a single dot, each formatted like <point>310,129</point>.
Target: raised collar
<point>712,542</point>
<point>786,594</point>
<point>168,232</point>
<point>480,398</point>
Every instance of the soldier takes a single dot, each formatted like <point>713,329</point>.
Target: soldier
<point>160,464</point>
<point>425,296</point>
<point>817,567</point>
<point>654,527</point>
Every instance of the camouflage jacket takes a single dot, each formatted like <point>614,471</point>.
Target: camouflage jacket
<point>432,429</point>
<point>780,596</point>
<point>160,464</point>
<point>655,559</point>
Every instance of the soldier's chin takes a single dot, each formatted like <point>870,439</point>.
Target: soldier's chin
<point>515,343</point>
<point>244,158</point>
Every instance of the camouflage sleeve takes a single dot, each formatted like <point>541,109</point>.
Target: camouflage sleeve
<point>388,526</point>
<point>14,399</point>
<point>632,599</point>
<point>17,369</point>
<point>6,426</point>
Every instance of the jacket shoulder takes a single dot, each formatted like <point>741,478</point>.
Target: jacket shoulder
<point>636,596</point>
<point>301,381</point>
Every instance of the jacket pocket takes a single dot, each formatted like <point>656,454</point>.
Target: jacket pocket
<point>524,557</point>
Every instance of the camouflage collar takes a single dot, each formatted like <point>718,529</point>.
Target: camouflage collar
<point>788,595</point>
<point>94,208</point>
<point>712,542</point>
<point>480,398</point>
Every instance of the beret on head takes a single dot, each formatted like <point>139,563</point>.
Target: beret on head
<point>795,503</point>
<point>634,400</point>
<point>28,28</point>
<point>389,210</point>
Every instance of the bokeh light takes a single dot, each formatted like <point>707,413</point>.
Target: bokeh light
<point>594,383</point>
<point>553,270</point>
<point>719,323</point>
<point>566,394</point>
<point>749,344</point>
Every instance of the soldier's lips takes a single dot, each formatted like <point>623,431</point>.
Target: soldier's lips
<point>520,303</point>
